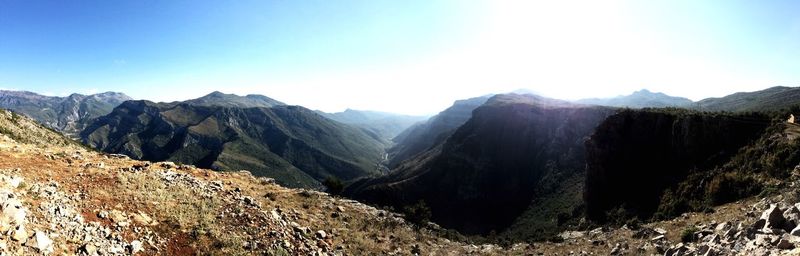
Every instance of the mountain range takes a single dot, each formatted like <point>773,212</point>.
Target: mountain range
<point>770,99</point>
<point>65,114</point>
<point>506,167</point>
<point>727,169</point>
<point>295,145</point>
<point>640,99</point>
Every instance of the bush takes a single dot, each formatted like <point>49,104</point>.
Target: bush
<point>418,213</point>
<point>562,218</point>
<point>634,223</point>
<point>333,185</point>
<point>688,234</point>
<point>670,205</point>
<point>732,186</point>
<point>555,239</point>
<point>769,190</point>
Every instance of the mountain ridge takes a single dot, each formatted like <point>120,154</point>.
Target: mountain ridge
<point>640,99</point>
<point>423,135</point>
<point>770,99</point>
<point>67,114</point>
<point>295,145</point>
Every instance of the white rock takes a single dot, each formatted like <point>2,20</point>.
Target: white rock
<point>136,246</point>
<point>143,219</point>
<point>42,243</point>
<point>20,234</point>
<point>13,212</point>
<point>723,226</point>
<point>275,215</point>
<point>116,249</point>
<point>321,234</point>
<point>15,181</point>
<point>571,234</point>
<point>90,249</point>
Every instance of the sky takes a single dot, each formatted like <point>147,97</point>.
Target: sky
<point>411,56</point>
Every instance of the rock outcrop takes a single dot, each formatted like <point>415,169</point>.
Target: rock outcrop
<point>634,156</point>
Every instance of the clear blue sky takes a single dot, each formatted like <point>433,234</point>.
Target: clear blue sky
<point>400,56</point>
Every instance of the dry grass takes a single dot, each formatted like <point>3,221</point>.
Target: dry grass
<point>186,210</point>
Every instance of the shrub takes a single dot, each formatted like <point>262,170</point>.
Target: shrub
<point>618,215</point>
<point>769,190</point>
<point>562,218</point>
<point>418,213</point>
<point>634,223</point>
<point>732,186</point>
<point>671,205</point>
<point>555,239</point>
<point>688,234</point>
<point>333,185</point>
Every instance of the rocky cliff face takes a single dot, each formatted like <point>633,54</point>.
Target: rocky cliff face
<point>513,150</point>
<point>292,144</point>
<point>634,156</point>
<point>65,114</point>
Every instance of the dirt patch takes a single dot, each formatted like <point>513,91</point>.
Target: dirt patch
<point>180,244</point>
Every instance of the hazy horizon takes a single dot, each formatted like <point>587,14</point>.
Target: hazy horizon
<point>409,57</point>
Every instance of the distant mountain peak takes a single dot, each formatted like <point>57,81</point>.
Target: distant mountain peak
<point>216,94</point>
<point>217,98</point>
<point>525,91</point>
<point>644,91</point>
<point>643,98</point>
